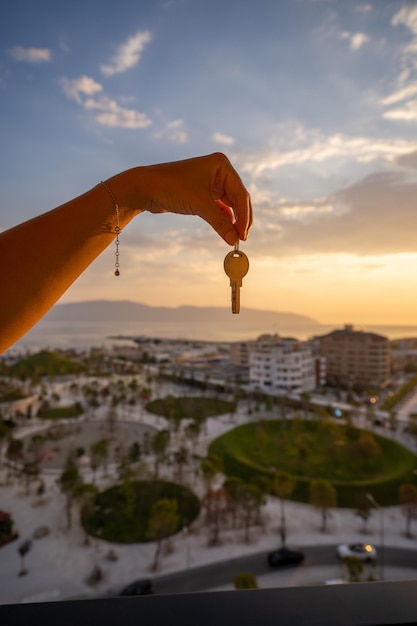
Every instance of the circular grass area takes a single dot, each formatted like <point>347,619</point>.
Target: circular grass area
<point>189,407</point>
<point>121,514</point>
<point>355,461</point>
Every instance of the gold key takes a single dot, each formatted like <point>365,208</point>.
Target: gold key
<point>236,266</point>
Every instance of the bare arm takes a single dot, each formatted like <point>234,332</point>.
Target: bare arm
<point>45,255</point>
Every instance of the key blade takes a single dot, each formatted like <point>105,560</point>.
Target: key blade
<point>235,297</point>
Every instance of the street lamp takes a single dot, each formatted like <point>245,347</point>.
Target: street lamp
<point>375,504</point>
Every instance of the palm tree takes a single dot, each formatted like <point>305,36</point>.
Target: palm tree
<point>85,494</point>
<point>364,508</point>
<point>283,485</point>
<point>14,452</point>
<point>100,453</point>
<point>163,521</point>
<point>407,497</point>
<point>69,481</point>
<point>159,444</point>
<point>180,459</point>
<point>324,497</point>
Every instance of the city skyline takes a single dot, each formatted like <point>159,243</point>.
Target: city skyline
<point>314,101</point>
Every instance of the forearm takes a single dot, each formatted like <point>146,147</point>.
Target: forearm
<point>45,255</point>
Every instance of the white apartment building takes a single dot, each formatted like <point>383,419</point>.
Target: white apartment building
<point>283,365</point>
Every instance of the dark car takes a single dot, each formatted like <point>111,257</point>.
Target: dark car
<point>142,587</point>
<point>285,556</point>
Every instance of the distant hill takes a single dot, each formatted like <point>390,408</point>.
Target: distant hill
<point>128,311</point>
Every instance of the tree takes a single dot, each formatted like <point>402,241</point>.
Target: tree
<point>23,549</point>
<point>159,444</point>
<point>303,443</point>
<point>180,458</point>
<point>283,485</point>
<point>364,508</point>
<point>251,499</point>
<point>219,504</point>
<point>69,482</point>
<point>163,522</point>
<point>354,568</point>
<point>85,494</point>
<point>211,466</point>
<point>324,497</point>
<point>127,475</point>
<point>245,581</point>
<point>407,496</point>
<point>232,485</point>
<point>99,454</point>
<point>111,419</point>
<point>14,452</point>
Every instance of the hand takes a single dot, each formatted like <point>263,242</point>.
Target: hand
<point>206,186</point>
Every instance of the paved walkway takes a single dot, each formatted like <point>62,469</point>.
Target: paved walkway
<point>59,563</point>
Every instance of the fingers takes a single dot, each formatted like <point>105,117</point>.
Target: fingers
<point>232,193</point>
<point>221,218</point>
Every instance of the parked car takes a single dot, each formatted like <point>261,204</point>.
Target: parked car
<point>142,587</point>
<point>363,551</point>
<point>285,556</point>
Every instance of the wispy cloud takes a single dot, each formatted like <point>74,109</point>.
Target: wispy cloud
<point>128,54</point>
<point>109,113</point>
<point>406,83</point>
<point>174,131</point>
<point>76,87</point>
<point>375,216</point>
<point>319,148</point>
<point>406,16</point>
<point>106,111</point>
<point>226,140</point>
<point>356,40</point>
<point>30,55</point>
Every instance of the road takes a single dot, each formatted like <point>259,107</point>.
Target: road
<point>221,574</point>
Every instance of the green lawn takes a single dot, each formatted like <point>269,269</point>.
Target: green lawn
<point>353,460</point>
<point>62,412</point>
<point>114,521</point>
<point>186,407</point>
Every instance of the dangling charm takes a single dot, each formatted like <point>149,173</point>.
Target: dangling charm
<point>117,230</point>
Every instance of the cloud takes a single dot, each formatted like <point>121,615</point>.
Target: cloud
<point>174,132</point>
<point>75,88</point>
<point>128,54</point>
<point>314,147</point>
<point>406,16</point>
<point>406,84</point>
<point>112,114</point>
<point>401,94</point>
<point>30,55</point>
<point>376,216</point>
<point>106,111</point>
<point>226,140</point>
<point>405,113</point>
<point>356,40</point>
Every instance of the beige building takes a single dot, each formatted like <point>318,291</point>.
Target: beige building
<point>356,357</point>
<point>282,365</point>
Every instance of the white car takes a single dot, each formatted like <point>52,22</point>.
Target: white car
<point>361,551</point>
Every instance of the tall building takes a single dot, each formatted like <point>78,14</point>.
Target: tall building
<point>356,357</point>
<point>283,365</point>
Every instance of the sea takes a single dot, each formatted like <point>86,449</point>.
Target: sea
<point>84,335</point>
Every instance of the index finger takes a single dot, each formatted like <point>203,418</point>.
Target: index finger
<point>233,193</point>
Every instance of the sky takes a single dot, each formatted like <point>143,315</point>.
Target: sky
<point>313,101</point>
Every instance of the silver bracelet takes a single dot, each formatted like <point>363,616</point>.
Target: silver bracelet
<point>117,229</point>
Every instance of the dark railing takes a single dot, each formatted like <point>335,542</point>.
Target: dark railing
<point>356,604</point>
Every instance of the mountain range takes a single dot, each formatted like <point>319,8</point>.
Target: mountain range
<point>128,311</point>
